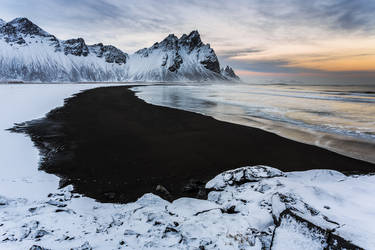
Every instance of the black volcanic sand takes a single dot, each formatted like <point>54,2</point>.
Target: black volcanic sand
<point>113,146</point>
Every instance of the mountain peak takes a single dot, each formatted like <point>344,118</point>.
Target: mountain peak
<point>25,26</point>
<point>192,40</point>
<point>170,42</point>
<point>194,33</point>
<point>2,22</point>
<point>229,72</point>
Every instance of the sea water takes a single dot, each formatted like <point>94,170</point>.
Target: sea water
<point>339,118</point>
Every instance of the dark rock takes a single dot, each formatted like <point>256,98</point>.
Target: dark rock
<point>170,230</point>
<point>3,201</point>
<point>25,26</point>
<point>32,209</point>
<point>193,40</point>
<point>328,239</point>
<point>228,72</point>
<point>21,41</point>
<point>76,47</point>
<point>40,234</point>
<point>162,189</point>
<point>17,29</point>
<point>231,210</point>
<point>109,52</point>
<point>169,43</point>
<point>163,192</point>
<point>36,247</point>
<point>336,242</point>
<point>176,63</point>
<point>211,62</point>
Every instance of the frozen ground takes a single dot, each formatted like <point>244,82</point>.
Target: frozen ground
<point>247,208</point>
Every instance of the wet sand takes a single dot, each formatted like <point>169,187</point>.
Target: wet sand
<point>114,147</point>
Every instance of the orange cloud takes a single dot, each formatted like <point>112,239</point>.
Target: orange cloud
<point>343,55</point>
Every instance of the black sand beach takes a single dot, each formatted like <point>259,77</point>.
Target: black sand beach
<point>115,147</point>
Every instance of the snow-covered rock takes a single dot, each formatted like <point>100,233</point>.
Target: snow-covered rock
<point>28,53</point>
<point>242,175</point>
<point>262,207</point>
<point>229,73</point>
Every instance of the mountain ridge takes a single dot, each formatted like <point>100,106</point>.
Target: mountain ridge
<point>29,53</point>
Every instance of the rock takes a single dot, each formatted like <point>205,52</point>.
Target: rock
<point>229,72</point>
<point>84,246</point>
<point>109,52</point>
<point>277,208</point>
<point>296,233</point>
<point>36,247</point>
<point>3,201</point>
<point>162,189</point>
<point>40,233</point>
<point>76,47</point>
<point>305,235</point>
<point>191,207</point>
<point>152,200</point>
<point>32,209</point>
<point>56,203</point>
<point>242,175</point>
<point>176,63</point>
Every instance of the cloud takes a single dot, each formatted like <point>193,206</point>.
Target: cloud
<point>236,52</point>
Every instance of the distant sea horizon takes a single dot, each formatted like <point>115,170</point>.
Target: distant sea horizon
<point>335,117</point>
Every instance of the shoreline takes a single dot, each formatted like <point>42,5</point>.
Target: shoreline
<point>114,147</point>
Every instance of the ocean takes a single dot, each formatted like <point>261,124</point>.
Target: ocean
<point>338,118</point>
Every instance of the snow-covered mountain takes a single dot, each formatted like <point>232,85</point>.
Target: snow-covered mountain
<point>29,53</point>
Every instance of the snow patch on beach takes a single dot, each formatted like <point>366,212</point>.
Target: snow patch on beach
<point>19,175</point>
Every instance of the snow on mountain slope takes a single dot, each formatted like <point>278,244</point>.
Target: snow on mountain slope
<point>28,53</point>
<point>176,59</point>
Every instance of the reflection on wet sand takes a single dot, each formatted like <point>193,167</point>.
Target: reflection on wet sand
<point>339,118</point>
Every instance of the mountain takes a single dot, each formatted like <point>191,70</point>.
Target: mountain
<point>229,73</point>
<point>29,53</point>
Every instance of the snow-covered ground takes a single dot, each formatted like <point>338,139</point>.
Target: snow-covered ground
<point>247,208</point>
<point>19,175</point>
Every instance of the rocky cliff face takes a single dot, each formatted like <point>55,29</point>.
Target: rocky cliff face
<point>29,53</point>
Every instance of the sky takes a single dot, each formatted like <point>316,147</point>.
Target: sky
<point>272,40</point>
